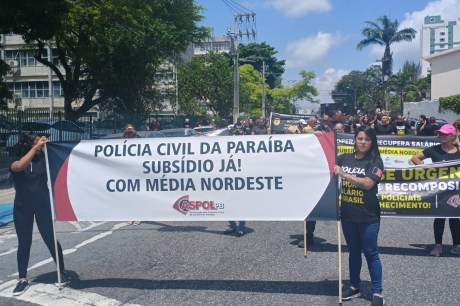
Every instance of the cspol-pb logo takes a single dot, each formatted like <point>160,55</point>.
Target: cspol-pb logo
<point>454,201</point>
<point>184,205</point>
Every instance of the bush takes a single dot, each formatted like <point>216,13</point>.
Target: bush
<point>450,103</point>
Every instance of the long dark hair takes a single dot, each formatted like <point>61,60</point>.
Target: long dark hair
<point>374,152</point>
<point>25,143</point>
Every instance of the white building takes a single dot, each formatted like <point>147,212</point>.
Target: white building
<point>445,73</point>
<point>30,81</point>
<point>217,44</point>
<point>437,35</point>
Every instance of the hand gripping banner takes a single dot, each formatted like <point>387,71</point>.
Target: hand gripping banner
<point>259,177</point>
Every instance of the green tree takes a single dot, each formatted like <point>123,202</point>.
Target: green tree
<point>250,91</point>
<point>109,50</point>
<point>365,85</point>
<point>4,93</point>
<point>384,32</point>
<point>255,54</point>
<point>282,98</point>
<point>206,80</point>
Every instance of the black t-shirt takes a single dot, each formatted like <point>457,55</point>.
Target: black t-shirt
<point>429,129</point>
<point>386,129</point>
<point>437,154</point>
<point>359,205</point>
<point>402,128</point>
<point>31,183</point>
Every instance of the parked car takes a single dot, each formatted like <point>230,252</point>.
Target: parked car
<point>179,132</point>
<point>140,134</point>
<point>203,130</point>
<point>106,127</point>
<point>56,131</point>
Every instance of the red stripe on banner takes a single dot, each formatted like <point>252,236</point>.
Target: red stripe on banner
<point>327,141</point>
<point>62,205</point>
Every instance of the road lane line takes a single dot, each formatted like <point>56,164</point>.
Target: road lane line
<point>48,294</point>
<point>75,248</point>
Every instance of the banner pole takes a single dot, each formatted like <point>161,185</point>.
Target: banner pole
<point>53,217</point>
<point>339,239</point>
<point>305,238</point>
<point>339,232</point>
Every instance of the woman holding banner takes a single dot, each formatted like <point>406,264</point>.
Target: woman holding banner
<point>445,151</point>
<point>361,171</point>
<point>32,200</point>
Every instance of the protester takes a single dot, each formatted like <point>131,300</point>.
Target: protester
<point>422,120</point>
<point>360,172</point>
<point>130,132</point>
<point>259,128</point>
<point>430,128</point>
<point>326,125</point>
<point>339,128</point>
<point>445,151</point>
<point>385,127</point>
<point>238,128</point>
<point>310,128</point>
<point>401,126</point>
<point>234,228</point>
<point>32,200</point>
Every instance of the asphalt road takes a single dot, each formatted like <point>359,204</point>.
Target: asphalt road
<point>193,263</point>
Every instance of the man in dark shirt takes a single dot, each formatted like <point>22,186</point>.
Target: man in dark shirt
<point>384,127</point>
<point>402,127</point>
<point>326,124</point>
<point>428,129</point>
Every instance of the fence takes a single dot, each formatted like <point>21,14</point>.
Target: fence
<point>89,126</point>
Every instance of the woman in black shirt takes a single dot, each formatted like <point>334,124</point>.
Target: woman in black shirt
<point>445,151</point>
<point>360,211</point>
<point>32,200</point>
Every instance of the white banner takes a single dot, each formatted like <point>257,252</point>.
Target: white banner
<point>260,177</point>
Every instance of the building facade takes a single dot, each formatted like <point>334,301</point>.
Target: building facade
<point>33,85</point>
<point>437,35</point>
<point>445,73</point>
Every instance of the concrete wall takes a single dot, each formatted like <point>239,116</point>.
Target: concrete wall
<point>429,108</point>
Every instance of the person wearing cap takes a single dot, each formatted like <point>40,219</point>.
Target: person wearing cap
<point>445,151</point>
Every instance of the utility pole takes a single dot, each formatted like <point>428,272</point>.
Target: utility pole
<point>247,21</point>
<point>263,89</point>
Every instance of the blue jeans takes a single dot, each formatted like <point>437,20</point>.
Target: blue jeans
<point>362,238</point>
<point>241,226</point>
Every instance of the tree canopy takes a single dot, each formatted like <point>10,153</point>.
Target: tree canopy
<point>255,54</point>
<point>208,80</point>
<point>385,32</point>
<point>108,50</point>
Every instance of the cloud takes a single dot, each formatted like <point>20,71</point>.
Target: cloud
<point>308,50</point>
<point>410,51</point>
<point>297,8</point>
<point>326,83</point>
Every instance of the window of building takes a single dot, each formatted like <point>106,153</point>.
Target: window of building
<point>442,33</point>
<point>30,89</point>
<point>24,57</point>
<point>57,89</point>
<point>442,46</point>
<point>442,39</point>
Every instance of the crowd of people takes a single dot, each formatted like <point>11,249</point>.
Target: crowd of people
<point>360,220</point>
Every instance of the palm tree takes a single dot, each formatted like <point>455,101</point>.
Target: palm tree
<point>384,32</point>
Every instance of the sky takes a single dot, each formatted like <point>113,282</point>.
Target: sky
<point>321,35</point>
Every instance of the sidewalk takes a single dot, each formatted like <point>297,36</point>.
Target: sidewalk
<point>6,202</point>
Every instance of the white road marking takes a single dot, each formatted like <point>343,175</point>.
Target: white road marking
<point>9,251</point>
<point>75,248</point>
<point>83,228</point>
<point>48,294</point>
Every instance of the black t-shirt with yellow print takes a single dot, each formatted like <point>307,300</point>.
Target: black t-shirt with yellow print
<point>359,205</point>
